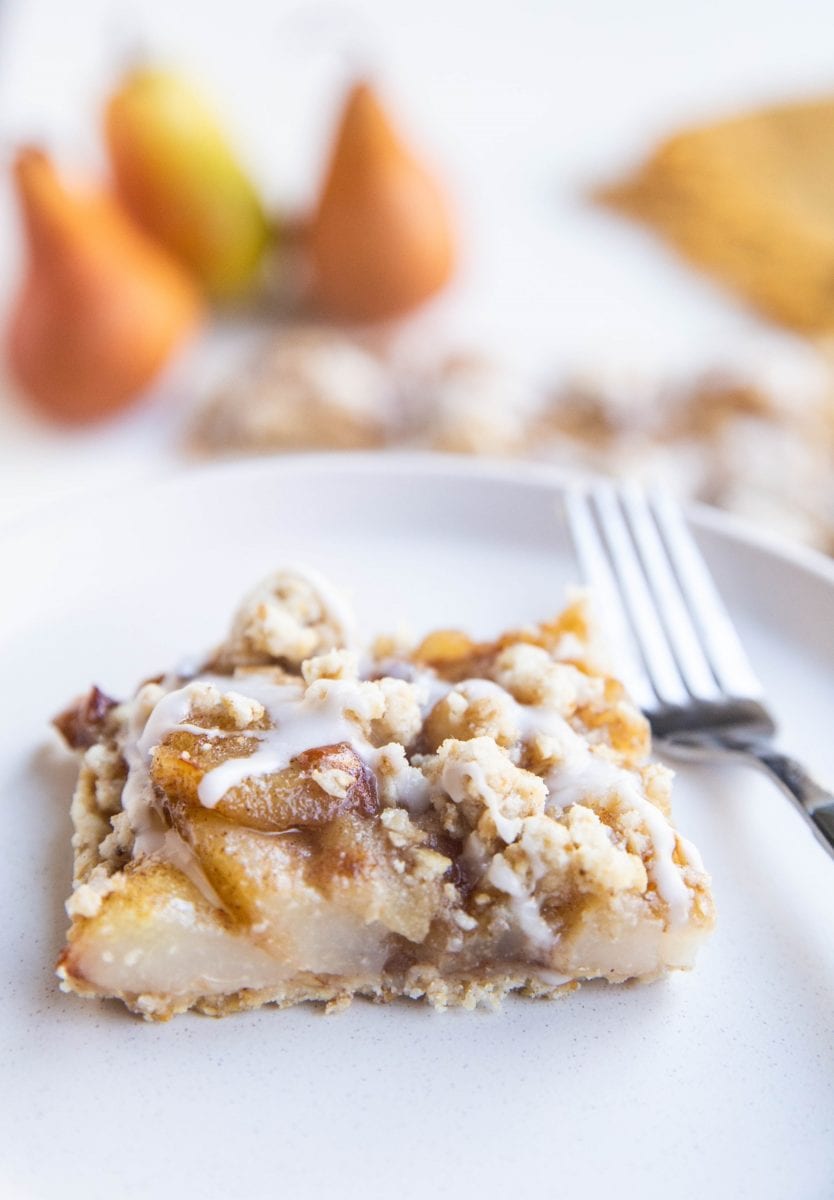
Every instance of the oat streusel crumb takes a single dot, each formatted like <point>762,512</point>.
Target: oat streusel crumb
<point>302,821</point>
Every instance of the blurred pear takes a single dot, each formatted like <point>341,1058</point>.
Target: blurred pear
<point>179,177</point>
<point>381,239</point>
<point>101,306</point>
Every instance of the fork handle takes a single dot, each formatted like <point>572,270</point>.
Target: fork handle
<point>814,802</point>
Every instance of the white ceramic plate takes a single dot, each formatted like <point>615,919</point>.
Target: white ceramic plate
<point>718,1083</point>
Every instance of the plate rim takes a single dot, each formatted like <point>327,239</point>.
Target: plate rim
<point>731,526</point>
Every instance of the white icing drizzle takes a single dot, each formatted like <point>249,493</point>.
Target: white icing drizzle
<point>525,907</point>
<point>692,854</point>
<point>530,719</point>
<point>582,774</point>
<point>585,775</point>
<point>332,711</point>
<point>456,775</point>
<point>432,689</point>
<point>151,835</point>
<point>319,718</point>
<point>177,851</point>
<point>475,857</point>
<point>169,713</point>
<point>408,783</point>
<point>137,793</point>
<point>477,689</point>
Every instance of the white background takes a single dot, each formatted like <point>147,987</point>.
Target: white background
<point>521,105</point>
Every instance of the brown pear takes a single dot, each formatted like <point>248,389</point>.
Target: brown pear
<point>101,307</point>
<point>381,239</point>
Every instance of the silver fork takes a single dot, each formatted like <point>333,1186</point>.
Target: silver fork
<point>681,656</point>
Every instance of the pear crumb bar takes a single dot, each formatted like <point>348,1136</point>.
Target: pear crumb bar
<point>301,820</point>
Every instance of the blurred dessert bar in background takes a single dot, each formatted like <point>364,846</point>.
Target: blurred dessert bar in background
<point>764,452</point>
<point>308,388</point>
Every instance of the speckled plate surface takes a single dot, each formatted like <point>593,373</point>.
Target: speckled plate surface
<point>717,1083</point>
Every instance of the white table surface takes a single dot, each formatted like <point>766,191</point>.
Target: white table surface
<point>521,105</point>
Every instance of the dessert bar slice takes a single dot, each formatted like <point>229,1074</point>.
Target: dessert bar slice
<point>299,821</point>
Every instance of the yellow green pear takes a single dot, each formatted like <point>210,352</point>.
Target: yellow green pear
<point>177,174</point>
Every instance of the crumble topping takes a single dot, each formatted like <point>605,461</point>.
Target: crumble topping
<point>491,794</point>
<point>291,616</point>
<point>453,819</point>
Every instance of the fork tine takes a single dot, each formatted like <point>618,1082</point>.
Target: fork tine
<point>720,642</point>
<point>637,600</point>
<point>683,637</point>
<point>596,570</point>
